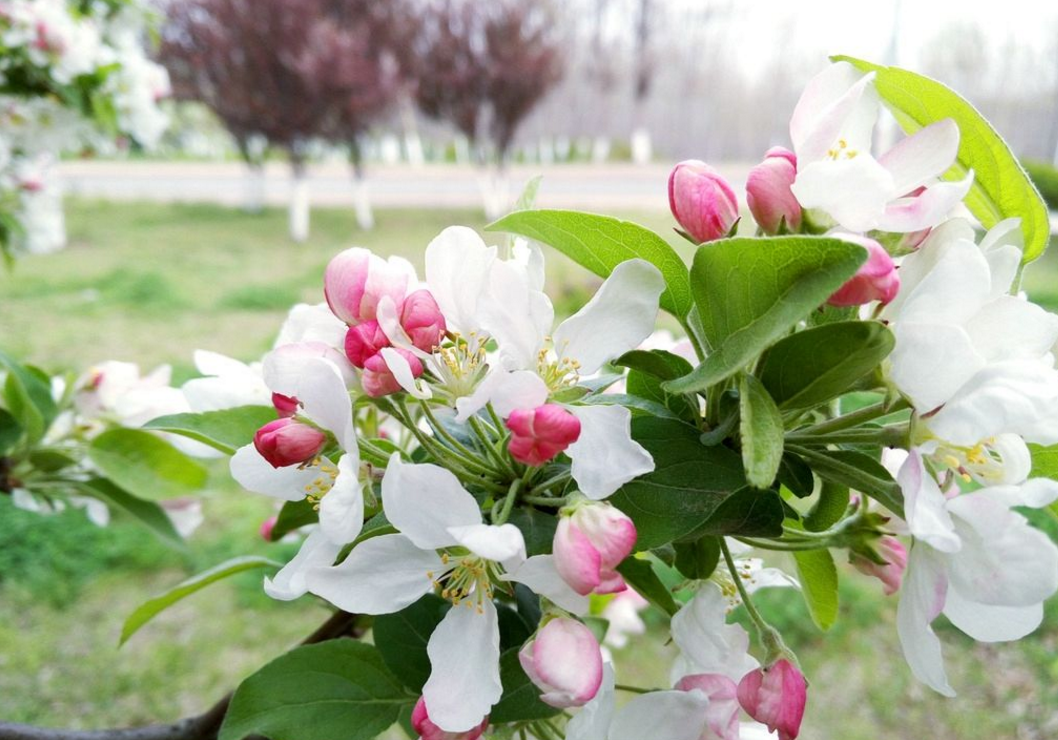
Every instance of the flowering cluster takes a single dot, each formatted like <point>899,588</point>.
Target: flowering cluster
<point>66,73</point>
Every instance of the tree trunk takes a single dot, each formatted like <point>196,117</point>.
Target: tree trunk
<point>299,203</point>
<point>255,187</point>
<point>365,219</point>
<point>412,141</point>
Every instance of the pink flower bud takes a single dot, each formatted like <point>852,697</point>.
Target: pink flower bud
<point>768,191</point>
<point>565,662</point>
<point>538,435</point>
<point>721,716</point>
<point>363,341</point>
<point>356,280</point>
<point>876,280</point>
<point>285,442</point>
<point>378,380</point>
<point>702,201</point>
<point>285,405</point>
<point>422,320</point>
<point>589,545</point>
<point>267,526</point>
<point>892,573</point>
<point>420,721</point>
<point>775,696</point>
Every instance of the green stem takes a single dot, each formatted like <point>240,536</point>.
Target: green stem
<point>445,455</point>
<point>562,477</point>
<point>853,419</point>
<point>894,435</point>
<point>490,446</point>
<point>633,689</point>
<point>769,637</point>
<point>545,501</point>
<point>508,503</point>
<point>454,444</point>
<point>783,546</point>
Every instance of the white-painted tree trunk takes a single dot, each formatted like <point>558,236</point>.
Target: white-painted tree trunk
<point>412,142</point>
<point>494,185</point>
<point>255,188</point>
<point>642,147</point>
<point>600,149</point>
<point>365,218</point>
<point>299,205</point>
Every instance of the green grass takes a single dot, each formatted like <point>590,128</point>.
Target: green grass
<point>151,283</point>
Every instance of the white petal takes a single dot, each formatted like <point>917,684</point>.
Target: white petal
<point>325,398</point>
<point>1004,560</point>
<point>464,679</point>
<point>1035,492</point>
<point>502,544</point>
<point>954,288</point>
<point>215,394</point>
<point>517,316</point>
<point>925,506</point>
<point>662,715</point>
<point>282,368</point>
<point>540,575</point>
<point>403,375</point>
<point>838,102</point>
<point>707,642</point>
<point>214,363</point>
<point>424,501</point>
<point>317,551</point>
<point>921,599</point>
<point>926,155</point>
<point>254,473</point>
<point>342,509</point>
<point>388,318</point>
<point>382,575</point>
<point>506,391</point>
<point>307,323</point>
<point>992,623</point>
<point>853,192</point>
<point>931,362</point>
<point>605,456</point>
<point>1008,328</point>
<point>617,319</point>
<point>927,209</point>
<point>593,721</point>
<point>918,265</point>
<point>457,267</point>
<point>1017,397</point>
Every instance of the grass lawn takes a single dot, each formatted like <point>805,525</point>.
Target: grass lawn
<point>151,283</point>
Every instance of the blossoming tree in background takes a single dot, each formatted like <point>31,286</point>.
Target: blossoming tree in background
<point>70,74</point>
<point>481,486</point>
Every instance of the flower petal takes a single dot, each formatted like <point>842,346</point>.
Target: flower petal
<point>927,209</point>
<point>342,508</point>
<point>325,400</point>
<point>502,544</point>
<point>464,679</point>
<point>838,101</point>
<point>853,192</point>
<point>403,375</point>
<point>540,575</point>
<point>291,582</point>
<point>424,501</point>
<point>605,456</point>
<point>989,623</point>
<point>593,721</point>
<point>931,362</point>
<point>457,268</point>
<point>709,644</point>
<point>256,474</point>
<point>382,575</point>
<point>921,599</point>
<point>662,715</point>
<point>1008,328</point>
<point>617,319</point>
<point>925,506</point>
<point>517,316</point>
<point>316,323</point>
<point>282,367</point>
<point>506,391</point>
<point>922,157</point>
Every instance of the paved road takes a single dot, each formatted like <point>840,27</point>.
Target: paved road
<point>615,186</point>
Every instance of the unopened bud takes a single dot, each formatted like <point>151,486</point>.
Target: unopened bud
<point>702,201</point>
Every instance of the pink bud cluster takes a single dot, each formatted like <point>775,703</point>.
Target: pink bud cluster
<point>356,284</point>
<point>539,435</point>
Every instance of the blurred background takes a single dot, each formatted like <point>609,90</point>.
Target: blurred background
<point>301,127</point>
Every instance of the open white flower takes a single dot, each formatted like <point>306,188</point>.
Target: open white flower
<point>226,383</point>
<point>318,385</point>
<point>443,545</point>
<point>707,643</point>
<point>976,561</point>
<point>831,131</point>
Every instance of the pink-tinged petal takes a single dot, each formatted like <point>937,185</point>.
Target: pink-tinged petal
<point>538,435</point>
<point>390,371</point>
<point>286,442</point>
<point>925,507</point>
<point>422,320</point>
<point>926,209</point>
<point>610,531</point>
<point>420,721</point>
<point>344,282</point>
<point>721,716</point>
<point>775,696</point>
<point>565,662</point>
<point>875,280</point>
<point>922,598</point>
<point>464,678</point>
<point>702,201</point>
<point>920,159</point>
<point>577,560</point>
<point>363,341</point>
<point>892,572</point>
<point>593,721</point>
<point>285,406</point>
<point>768,192</point>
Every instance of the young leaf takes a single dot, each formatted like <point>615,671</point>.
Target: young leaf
<point>640,575</point>
<point>401,638</point>
<point>226,430</point>
<point>145,465</point>
<point>1044,461</point>
<point>647,370</point>
<point>828,510</point>
<point>750,292</point>
<point>28,398</point>
<point>148,610</point>
<point>336,689</point>
<point>10,431</point>
<point>749,512</point>
<point>1001,189</point>
<point>294,515</point>
<point>855,470</point>
<point>698,559</point>
<point>521,699</point>
<point>147,513</point>
<point>819,585</point>
<point>688,484</point>
<point>811,367</point>
<point>601,243</point>
<point>761,431</point>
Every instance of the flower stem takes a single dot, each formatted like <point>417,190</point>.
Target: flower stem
<point>633,689</point>
<point>769,636</point>
<point>855,418</point>
<point>508,503</point>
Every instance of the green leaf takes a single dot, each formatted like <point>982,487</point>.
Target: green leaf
<point>401,638</point>
<point>640,575</point>
<point>761,431</point>
<point>601,243</point>
<point>750,292</point>
<point>10,431</point>
<point>147,513</point>
<point>828,510</point>
<point>637,404</point>
<point>819,585</point>
<point>1001,189</point>
<point>294,515</point>
<point>336,690</point>
<point>226,430</point>
<point>1044,461</point>
<point>28,399</point>
<point>855,470</point>
<point>814,366</point>
<point>521,699</point>
<point>749,512</point>
<point>148,610</point>
<point>647,370</point>
<point>795,474</point>
<point>688,484</point>
<point>698,559</point>
<point>537,528</point>
<point>145,465</point>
